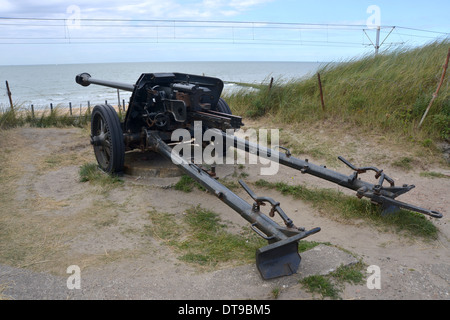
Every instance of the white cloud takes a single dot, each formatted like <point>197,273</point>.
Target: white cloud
<point>148,9</point>
<point>246,4</point>
<point>6,6</point>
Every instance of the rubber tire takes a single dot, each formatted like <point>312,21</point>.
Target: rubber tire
<point>223,107</point>
<point>113,127</point>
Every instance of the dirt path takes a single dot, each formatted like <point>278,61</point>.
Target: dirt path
<point>50,220</point>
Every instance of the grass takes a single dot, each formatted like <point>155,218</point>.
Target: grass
<point>92,173</point>
<point>347,208</point>
<point>202,238</point>
<point>321,285</point>
<point>385,94</point>
<point>276,292</point>
<point>187,184</point>
<point>404,163</point>
<point>432,175</point>
<point>330,286</point>
<point>349,274</point>
<point>305,245</point>
<point>57,117</point>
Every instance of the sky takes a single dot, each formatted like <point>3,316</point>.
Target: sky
<point>83,31</point>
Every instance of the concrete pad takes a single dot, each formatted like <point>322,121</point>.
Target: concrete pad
<point>156,170</point>
<point>23,284</point>
<point>149,165</point>
<point>322,260</point>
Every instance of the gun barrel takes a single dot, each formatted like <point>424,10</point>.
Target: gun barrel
<point>85,80</point>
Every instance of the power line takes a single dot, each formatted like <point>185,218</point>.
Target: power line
<point>305,27</point>
<point>255,23</point>
<point>223,38</point>
<point>422,30</point>
<point>185,21</point>
<point>195,41</point>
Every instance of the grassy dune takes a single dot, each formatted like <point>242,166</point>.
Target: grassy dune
<point>385,93</point>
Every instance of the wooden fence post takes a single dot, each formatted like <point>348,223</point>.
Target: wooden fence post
<point>9,95</point>
<point>321,92</point>
<point>438,88</point>
<point>118,98</point>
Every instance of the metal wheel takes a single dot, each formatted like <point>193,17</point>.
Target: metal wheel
<point>107,138</point>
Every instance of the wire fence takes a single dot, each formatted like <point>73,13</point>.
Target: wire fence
<point>51,116</point>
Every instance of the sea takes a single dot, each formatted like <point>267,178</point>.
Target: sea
<point>42,85</point>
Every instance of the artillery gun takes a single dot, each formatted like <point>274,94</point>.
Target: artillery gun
<point>162,103</point>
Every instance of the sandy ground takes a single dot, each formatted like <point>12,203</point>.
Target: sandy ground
<point>67,222</point>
